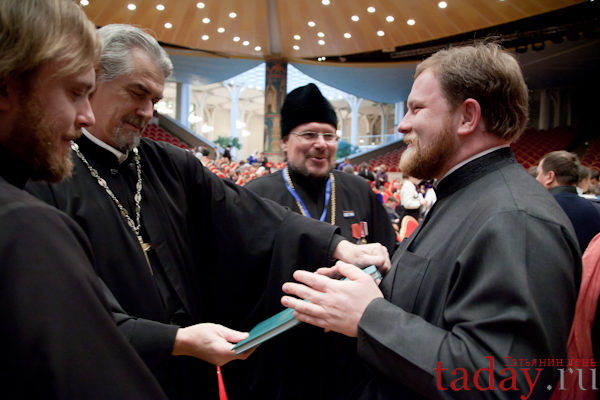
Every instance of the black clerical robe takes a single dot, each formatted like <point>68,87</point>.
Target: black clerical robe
<point>325,363</point>
<point>355,202</point>
<point>220,253</point>
<point>59,338</point>
<point>493,271</point>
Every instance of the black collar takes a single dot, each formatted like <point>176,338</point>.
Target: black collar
<point>12,168</point>
<point>474,170</point>
<point>94,152</point>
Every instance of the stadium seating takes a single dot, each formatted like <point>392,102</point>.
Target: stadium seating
<point>158,134</point>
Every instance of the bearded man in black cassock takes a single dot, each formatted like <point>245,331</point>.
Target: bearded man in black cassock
<point>326,363</point>
<point>489,279</point>
<point>59,338</point>
<point>176,245</point>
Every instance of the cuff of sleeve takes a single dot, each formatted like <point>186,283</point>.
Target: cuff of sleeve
<point>335,240</point>
<point>154,343</point>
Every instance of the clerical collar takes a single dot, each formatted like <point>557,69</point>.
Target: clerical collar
<point>468,160</point>
<point>12,168</point>
<point>474,169</point>
<point>120,156</point>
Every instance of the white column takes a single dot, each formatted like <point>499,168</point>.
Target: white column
<point>384,110</point>
<point>184,92</point>
<point>398,116</point>
<point>234,92</point>
<point>343,113</point>
<point>354,106</point>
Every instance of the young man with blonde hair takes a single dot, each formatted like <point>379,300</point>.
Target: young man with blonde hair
<point>60,340</point>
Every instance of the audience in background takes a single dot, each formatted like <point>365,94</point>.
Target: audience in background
<point>363,171</point>
<point>559,172</point>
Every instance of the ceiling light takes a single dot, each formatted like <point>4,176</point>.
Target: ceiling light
<point>84,2</point>
<point>200,5</point>
<point>310,23</point>
<point>347,35</point>
<point>389,19</point>
<point>221,30</point>
<point>371,9</point>
<point>246,43</point>
<point>131,7</point>
<point>206,20</point>
<point>160,7</point>
<point>257,48</point>
<point>355,18</point>
<point>297,37</point>
<point>320,34</point>
<point>205,37</point>
<point>236,39</point>
<point>442,4</point>
<point>380,33</point>
<point>325,2</point>
<point>232,15</point>
<point>410,22</point>
<point>321,42</point>
<point>296,47</point>
<point>168,25</point>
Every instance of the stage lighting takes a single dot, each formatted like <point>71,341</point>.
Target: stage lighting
<point>521,49</point>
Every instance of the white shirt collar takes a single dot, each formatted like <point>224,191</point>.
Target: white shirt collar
<point>468,160</point>
<point>120,156</point>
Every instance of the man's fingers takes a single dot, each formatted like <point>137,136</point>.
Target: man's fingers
<point>303,307</point>
<point>309,319</point>
<point>351,272</point>
<point>315,281</point>
<point>301,291</point>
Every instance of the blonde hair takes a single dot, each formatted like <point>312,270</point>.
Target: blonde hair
<point>484,72</point>
<point>34,32</point>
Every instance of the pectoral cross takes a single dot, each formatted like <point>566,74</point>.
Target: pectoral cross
<point>146,247</point>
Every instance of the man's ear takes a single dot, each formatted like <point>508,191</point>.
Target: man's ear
<point>549,180</point>
<point>8,94</point>
<point>284,143</point>
<point>470,116</point>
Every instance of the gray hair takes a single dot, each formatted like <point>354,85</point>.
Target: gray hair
<point>119,41</point>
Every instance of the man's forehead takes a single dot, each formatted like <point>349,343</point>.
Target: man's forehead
<point>315,126</point>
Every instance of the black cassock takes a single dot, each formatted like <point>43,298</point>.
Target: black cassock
<point>220,253</point>
<point>59,338</point>
<point>318,365</point>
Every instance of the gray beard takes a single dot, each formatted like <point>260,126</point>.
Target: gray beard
<point>126,142</point>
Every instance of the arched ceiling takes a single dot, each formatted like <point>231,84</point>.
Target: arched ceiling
<point>268,27</point>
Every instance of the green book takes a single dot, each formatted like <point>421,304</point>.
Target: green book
<point>281,322</point>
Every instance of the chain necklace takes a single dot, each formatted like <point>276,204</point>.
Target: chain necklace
<point>135,226</point>
<point>289,181</point>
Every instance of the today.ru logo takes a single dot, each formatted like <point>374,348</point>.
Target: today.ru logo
<point>510,382</point>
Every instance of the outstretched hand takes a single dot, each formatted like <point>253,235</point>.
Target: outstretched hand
<point>364,255</point>
<point>209,342</point>
<point>334,305</point>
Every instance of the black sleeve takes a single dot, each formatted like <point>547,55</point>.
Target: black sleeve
<point>62,340</point>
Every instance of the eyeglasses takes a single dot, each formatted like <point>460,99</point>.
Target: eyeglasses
<point>312,136</point>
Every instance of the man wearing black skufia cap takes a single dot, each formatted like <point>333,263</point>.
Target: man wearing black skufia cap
<point>318,365</point>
